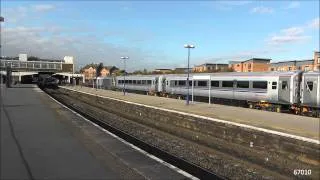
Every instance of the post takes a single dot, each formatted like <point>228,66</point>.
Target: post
<point>188,85</point>
<point>192,89</point>
<point>209,89</point>
<point>124,78</point>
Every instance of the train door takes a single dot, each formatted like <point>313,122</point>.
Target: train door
<point>310,90</point>
<point>158,85</point>
<point>284,89</point>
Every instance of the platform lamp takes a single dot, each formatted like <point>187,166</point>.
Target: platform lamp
<point>124,77</point>
<point>189,46</point>
<point>1,20</point>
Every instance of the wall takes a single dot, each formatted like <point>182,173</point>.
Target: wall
<point>272,151</point>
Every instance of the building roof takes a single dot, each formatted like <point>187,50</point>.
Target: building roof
<point>258,59</point>
<point>212,64</point>
<point>163,69</point>
<point>293,62</point>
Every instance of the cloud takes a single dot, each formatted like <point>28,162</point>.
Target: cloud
<point>293,5</point>
<point>229,5</point>
<point>289,35</point>
<point>55,43</point>
<point>293,31</point>
<point>262,10</point>
<point>315,23</point>
<point>43,7</point>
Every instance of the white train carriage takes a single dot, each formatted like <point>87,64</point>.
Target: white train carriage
<point>273,87</point>
<point>105,82</point>
<point>146,83</point>
<point>310,89</point>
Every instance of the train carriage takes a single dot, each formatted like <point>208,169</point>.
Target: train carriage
<point>310,93</point>
<point>146,84</point>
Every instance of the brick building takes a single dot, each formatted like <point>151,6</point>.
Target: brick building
<point>250,65</point>
<point>207,67</point>
<point>304,65</point>
<point>89,71</point>
<point>316,58</point>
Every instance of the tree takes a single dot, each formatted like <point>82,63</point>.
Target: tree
<point>113,69</point>
<point>33,58</point>
<point>98,69</point>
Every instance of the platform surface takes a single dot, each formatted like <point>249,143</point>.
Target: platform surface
<point>41,139</point>
<point>304,126</point>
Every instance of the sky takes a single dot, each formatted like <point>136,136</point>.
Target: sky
<point>153,33</point>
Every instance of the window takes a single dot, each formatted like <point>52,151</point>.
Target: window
<point>272,69</point>
<point>214,83</point>
<point>202,83</point>
<point>119,81</point>
<point>274,85</point>
<point>306,68</point>
<point>243,84</point>
<point>138,81</point>
<point>182,83</point>
<point>299,67</point>
<point>227,84</point>
<point>126,81</point>
<point>130,81</point>
<point>249,66</point>
<point>148,81</point>
<point>260,84</point>
<point>310,85</point>
<point>176,83</point>
<point>290,68</point>
<point>143,82</point>
<point>134,81</point>
<point>284,85</point>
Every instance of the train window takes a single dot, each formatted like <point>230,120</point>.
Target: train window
<point>143,81</point>
<point>119,81</point>
<point>284,85</point>
<point>148,81</point>
<point>274,85</point>
<point>134,81</point>
<point>126,81</point>
<point>130,81</point>
<point>310,85</point>
<point>167,83</point>
<point>202,83</point>
<point>214,83</point>
<point>138,81</point>
<point>260,84</point>
<point>242,84</point>
<point>182,83</point>
<point>227,84</point>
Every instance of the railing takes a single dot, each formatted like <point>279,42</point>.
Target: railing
<point>32,65</point>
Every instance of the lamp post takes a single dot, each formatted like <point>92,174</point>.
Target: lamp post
<point>189,46</point>
<point>1,20</point>
<point>124,77</point>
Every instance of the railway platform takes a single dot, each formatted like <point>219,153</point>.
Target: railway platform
<point>41,139</point>
<point>291,124</point>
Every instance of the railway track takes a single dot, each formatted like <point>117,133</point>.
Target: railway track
<point>187,166</point>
